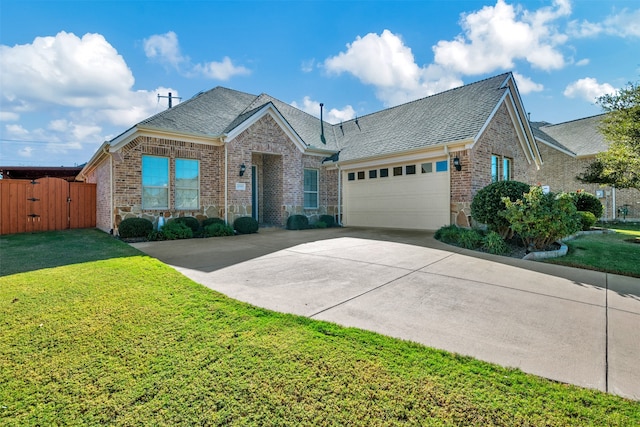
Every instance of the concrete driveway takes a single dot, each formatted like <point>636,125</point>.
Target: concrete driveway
<point>570,325</point>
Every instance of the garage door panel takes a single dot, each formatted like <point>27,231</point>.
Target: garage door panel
<point>420,201</point>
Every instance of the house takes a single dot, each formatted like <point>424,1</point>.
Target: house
<point>567,149</point>
<point>226,153</point>
<point>68,173</point>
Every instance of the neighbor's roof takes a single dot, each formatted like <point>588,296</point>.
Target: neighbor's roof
<point>581,136</point>
<point>453,115</point>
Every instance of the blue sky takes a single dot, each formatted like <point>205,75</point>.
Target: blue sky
<point>76,73</point>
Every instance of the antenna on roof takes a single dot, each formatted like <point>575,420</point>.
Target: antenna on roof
<point>341,129</point>
<point>324,141</point>
<point>170,97</point>
<point>357,124</point>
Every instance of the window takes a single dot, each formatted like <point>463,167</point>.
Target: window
<point>155,182</point>
<point>495,174</point>
<point>361,175</point>
<point>310,189</point>
<point>397,171</point>
<point>410,169</point>
<point>373,173</point>
<point>506,169</point>
<point>427,167</point>
<point>384,173</point>
<point>351,176</point>
<point>442,166</point>
<point>187,184</point>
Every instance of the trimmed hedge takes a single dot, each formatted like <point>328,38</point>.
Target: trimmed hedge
<point>210,221</point>
<point>245,225</point>
<point>189,221</point>
<point>297,222</point>
<point>587,202</point>
<point>217,230</point>
<point>488,208</point>
<point>329,220</point>
<point>587,220</point>
<point>176,230</point>
<point>135,227</point>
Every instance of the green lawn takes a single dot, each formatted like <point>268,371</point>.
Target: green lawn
<point>611,252</point>
<point>93,332</point>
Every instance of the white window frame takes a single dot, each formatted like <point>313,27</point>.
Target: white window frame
<point>178,188</point>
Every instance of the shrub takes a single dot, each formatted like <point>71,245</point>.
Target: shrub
<point>587,220</point>
<point>587,202</point>
<point>328,220</point>
<point>210,221</point>
<point>155,235</point>
<point>135,227</point>
<point>245,225</point>
<point>469,238</point>
<point>217,230</point>
<point>541,219</point>
<point>495,244</point>
<point>297,222</point>
<point>320,224</point>
<point>448,234</point>
<point>176,230</point>
<point>487,206</point>
<point>189,221</point>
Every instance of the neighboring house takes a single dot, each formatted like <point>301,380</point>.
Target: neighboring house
<point>567,149</point>
<point>227,154</point>
<point>68,173</point>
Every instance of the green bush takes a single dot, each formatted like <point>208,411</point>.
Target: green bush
<point>469,238</point>
<point>245,225</point>
<point>587,202</point>
<point>217,230</point>
<point>320,224</point>
<point>297,222</point>
<point>189,221</point>
<point>494,244</point>
<point>135,227</point>
<point>155,235</point>
<point>487,206</point>
<point>328,220</point>
<point>587,220</point>
<point>210,221</point>
<point>541,219</point>
<point>448,234</point>
<point>176,230</point>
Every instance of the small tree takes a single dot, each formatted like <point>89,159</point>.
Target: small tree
<point>541,219</point>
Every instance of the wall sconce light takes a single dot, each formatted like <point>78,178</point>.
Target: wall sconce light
<point>456,163</point>
<point>242,169</point>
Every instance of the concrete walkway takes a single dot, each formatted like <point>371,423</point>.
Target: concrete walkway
<point>570,325</point>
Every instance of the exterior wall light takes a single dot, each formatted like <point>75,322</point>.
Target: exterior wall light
<point>456,163</point>
<point>242,169</point>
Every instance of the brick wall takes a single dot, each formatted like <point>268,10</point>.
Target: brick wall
<point>101,177</point>
<point>559,173</point>
<point>499,138</point>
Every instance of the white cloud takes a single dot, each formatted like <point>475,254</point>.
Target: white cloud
<point>496,36</point>
<point>16,131</point>
<point>307,66</point>
<point>526,85</point>
<point>624,24</point>
<point>588,89</point>
<point>25,151</point>
<point>331,116</point>
<point>583,62</point>
<point>221,70</point>
<point>7,116</point>
<point>165,48</point>
<point>386,63</point>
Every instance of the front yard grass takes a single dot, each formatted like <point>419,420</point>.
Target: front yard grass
<point>613,252</point>
<point>111,336</point>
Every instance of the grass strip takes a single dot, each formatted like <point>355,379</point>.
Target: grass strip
<point>128,340</point>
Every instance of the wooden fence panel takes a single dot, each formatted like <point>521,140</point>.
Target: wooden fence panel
<point>82,205</point>
<point>46,204</point>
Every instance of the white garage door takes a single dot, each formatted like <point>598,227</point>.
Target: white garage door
<point>414,196</point>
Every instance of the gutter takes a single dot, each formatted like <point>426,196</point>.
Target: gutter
<point>226,181</point>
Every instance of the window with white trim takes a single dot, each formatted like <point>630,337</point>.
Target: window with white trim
<point>495,165</point>
<point>506,169</point>
<point>155,182</point>
<point>311,189</point>
<point>187,184</point>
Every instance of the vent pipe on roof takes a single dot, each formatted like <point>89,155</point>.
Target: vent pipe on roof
<point>324,141</point>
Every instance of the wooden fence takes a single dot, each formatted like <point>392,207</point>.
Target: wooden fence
<point>46,204</point>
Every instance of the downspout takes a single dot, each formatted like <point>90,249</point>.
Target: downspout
<point>613,208</point>
<point>226,184</point>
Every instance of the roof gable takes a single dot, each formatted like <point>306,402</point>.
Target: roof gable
<point>580,137</point>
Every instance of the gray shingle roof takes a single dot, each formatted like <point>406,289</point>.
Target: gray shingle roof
<point>539,134</point>
<point>579,136</point>
<point>453,115</point>
<point>448,116</point>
